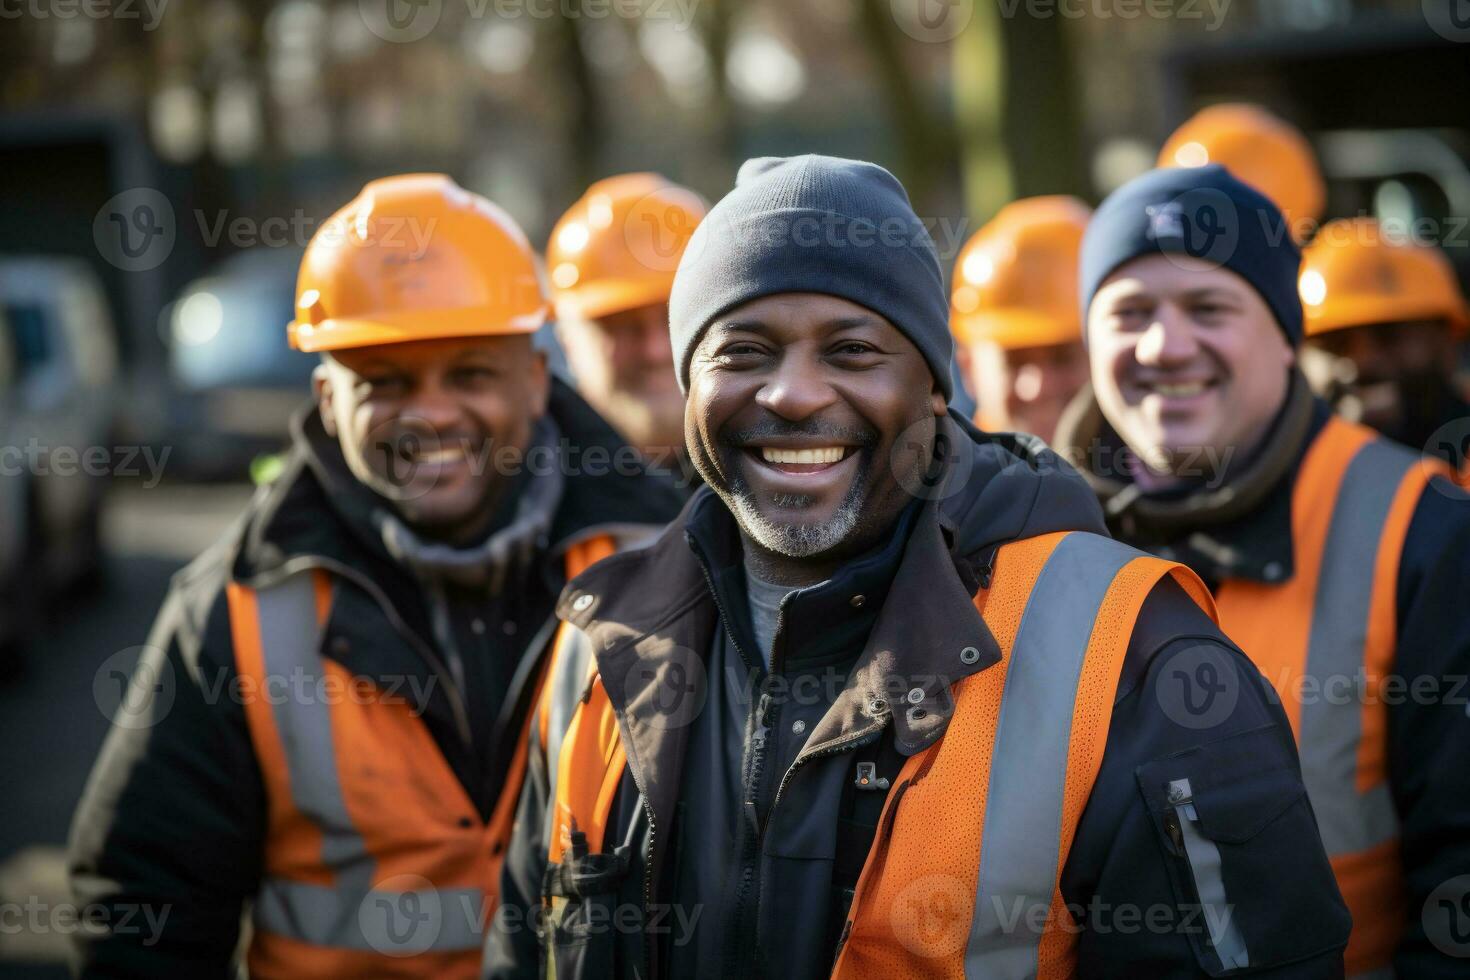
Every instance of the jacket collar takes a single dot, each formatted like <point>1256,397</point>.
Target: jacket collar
<point>651,614</point>
<point>1237,528</point>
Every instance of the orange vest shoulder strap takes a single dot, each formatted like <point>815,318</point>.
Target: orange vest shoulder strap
<point>1007,786</point>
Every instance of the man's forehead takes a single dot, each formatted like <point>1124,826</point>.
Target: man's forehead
<point>1170,274</point>
<point>805,311</point>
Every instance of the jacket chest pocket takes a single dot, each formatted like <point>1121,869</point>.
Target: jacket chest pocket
<point>1254,886</point>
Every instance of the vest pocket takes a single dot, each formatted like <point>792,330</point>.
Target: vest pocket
<point>1253,884</point>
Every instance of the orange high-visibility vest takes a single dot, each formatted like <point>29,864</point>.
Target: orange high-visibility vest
<point>377,862</point>
<point>978,825</point>
<point>1326,639</point>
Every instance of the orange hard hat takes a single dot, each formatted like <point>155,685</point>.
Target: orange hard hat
<point>415,257</point>
<point>618,247</point>
<point>1015,281</point>
<point>1354,274</point>
<point>1261,149</point>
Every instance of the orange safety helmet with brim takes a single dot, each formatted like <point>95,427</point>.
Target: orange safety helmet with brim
<point>415,257</point>
<point>618,247</point>
<point>1261,149</point>
<point>1355,274</point>
<point>1016,279</point>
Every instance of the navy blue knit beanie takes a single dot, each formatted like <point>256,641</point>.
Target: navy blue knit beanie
<point>1203,212</point>
<point>814,224</point>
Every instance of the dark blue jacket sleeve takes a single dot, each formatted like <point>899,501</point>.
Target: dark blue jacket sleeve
<point>1191,707</point>
<point>1429,735</point>
<point>167,840</point>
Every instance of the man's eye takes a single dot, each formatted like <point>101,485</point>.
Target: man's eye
<point>383,385</point>
<point>853,347</point>
<point>474,375</point>
<point>742,349</point>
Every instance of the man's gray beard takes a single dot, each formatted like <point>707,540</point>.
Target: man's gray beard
<point>797,540</point>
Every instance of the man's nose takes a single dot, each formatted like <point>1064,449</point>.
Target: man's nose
<point>434,406</point>
<point>1168,342</point>
<point>795,390</point>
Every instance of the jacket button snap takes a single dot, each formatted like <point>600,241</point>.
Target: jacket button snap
<point>582,601</point>
<point>798,726</point>
<point>969,655</point>
<point>857,601</point>
<point>916,695</point>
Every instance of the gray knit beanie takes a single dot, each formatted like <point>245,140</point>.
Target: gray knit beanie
<point>814,224</point>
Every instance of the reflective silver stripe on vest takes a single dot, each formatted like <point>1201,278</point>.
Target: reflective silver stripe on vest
<point>1021,838</point>
<point>1332,718</point>
<point>571,668</point>
<point>348,914</point>
<point>395,923</point>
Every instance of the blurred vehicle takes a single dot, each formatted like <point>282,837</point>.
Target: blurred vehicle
<point>235,379</point>
<point>58,391</point>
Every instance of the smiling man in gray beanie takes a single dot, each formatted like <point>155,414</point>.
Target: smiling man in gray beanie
<point>876,636</point>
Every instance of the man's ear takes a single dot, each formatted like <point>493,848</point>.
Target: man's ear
<point>321,390</point>
<point>938,402</point>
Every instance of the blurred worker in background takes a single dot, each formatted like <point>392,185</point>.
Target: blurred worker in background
<point>1261,149</point>
<point>882,702</point>
<point>327,722</point>
<point>1384,315</point>
<point>1339,560</point>
<point>611,262</point>
<point>1014,315</point>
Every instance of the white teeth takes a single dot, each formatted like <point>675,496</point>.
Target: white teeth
<point>827,454</point>
<point>443,455</point>
<point>1183,390</point>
